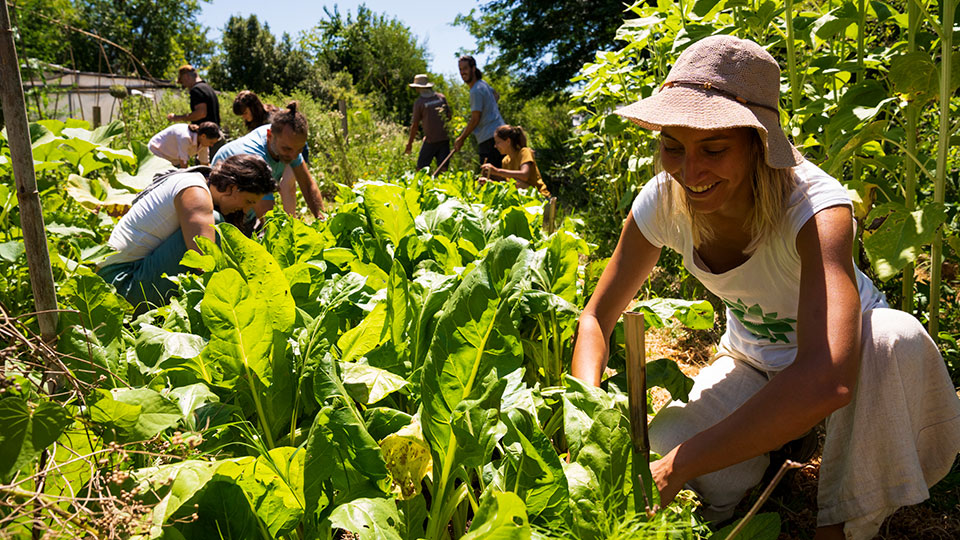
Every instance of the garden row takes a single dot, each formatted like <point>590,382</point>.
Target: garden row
<point>396,371</point>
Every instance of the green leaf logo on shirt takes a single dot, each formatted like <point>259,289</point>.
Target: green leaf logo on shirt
<point>760,324</point>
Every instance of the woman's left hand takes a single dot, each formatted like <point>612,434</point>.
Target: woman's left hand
<point>486,169</point>
<point>667,481</point>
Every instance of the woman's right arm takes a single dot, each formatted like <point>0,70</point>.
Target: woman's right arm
<point>195,213</point>
<point>631,263</point>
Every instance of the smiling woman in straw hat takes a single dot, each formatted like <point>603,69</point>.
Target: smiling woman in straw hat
<point>809,338</point>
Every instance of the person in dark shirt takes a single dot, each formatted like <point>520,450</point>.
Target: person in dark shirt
<point>430,108</point>
<point>204,106</point>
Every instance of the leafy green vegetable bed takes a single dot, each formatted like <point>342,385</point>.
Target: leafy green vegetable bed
<point>397,371</point>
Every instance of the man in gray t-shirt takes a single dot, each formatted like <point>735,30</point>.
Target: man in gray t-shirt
<point>484,113</point>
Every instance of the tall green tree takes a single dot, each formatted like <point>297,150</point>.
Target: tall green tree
<point>37,38</point>
<point>251,58</point>
<point>543,42</point>
<point>380,53</point>
<point>163,34</point>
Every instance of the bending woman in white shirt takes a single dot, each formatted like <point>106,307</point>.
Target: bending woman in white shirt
<point>180,142</point>
<point>168,215</point>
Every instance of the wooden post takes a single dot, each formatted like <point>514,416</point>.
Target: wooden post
<point>342,105</point>
<point>96,116</point>
<point>550,216</point>
<point>21,154</point>
<point>633,329</point>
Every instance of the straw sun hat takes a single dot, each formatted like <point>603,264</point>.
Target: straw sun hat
<point>721,82</point>
<point>420,81</point>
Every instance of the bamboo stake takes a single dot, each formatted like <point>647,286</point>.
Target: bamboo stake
<point>21,154</point>
<point>787,465</point>
<point>444,162</point>
<point>550,216</point>
<point>633,329</point>
<point>936,250</point>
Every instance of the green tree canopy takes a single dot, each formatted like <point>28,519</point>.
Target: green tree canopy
<point>380,53</point>
<point>36,37</point>
<point>251,58</point>
<point>543,42</point>
<point>163,34</point>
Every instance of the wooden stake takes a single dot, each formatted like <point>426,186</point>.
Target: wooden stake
<point>550,216</point>
<point>633,330</point>
<point>442,163</point>
<point>21,154</point>
<point>342,107</point>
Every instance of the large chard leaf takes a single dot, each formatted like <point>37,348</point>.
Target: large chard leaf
<point>24,433</point>
<point>556,267</point>
<point>666,374</point>
<point>901,236</point>
<point>136,413</point>
<point>273,484</point>
<point>264,276</point>
<point>386,208</point>
<point>475,344</point>
<point>306,282</point>
<point>533,470</point>
<point>368,384</point>
<point>174,484</point>
<point>501,516</point>
<point>433,292</point>
<point>240,333</point>
<point>582,403</point>
<point>95,194</point>
<point>190,398</point>
<point>695,314</point>
<point>764,526</point>
<point>363,338</point>
<point>88,358</point>
<point>607,455</point>
<point>587,510</point>
<point>343,462</point>
<point>146,167</point>
<point>99,308</point>
<point>155,345</point>
<point>368,518</point>
<point>290,241</point>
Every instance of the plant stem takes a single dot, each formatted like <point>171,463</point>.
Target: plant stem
<point>434,526</point>
<point>910,189</point>
<point>861,32</point>
<point>264,425</point>
<point>792,60</point>
<point>936,250</point>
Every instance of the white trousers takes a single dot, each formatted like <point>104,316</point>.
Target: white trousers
<point>899,435</point>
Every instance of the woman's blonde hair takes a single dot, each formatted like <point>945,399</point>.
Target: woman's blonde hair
<point>771,192</point>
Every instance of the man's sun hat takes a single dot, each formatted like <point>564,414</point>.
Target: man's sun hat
<point>420,81</point>
<point>721,82</point>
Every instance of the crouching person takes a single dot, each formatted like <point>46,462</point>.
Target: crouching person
<point>164,219</point>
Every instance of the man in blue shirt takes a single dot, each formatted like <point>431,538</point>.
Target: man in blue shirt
<point>484,113</point>
<point>280,144</point>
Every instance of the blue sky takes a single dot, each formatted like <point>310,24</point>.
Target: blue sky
<point>430,20</point>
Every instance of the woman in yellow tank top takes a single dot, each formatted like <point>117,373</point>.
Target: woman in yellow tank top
<point>518,162</point>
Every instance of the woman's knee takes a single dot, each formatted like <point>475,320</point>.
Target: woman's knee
<point>886,329</point>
